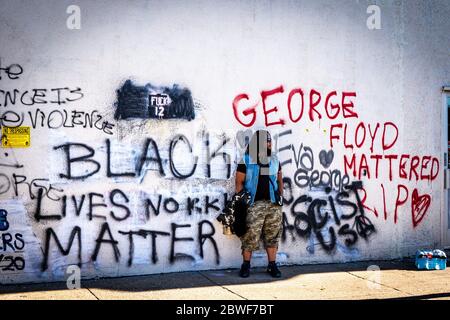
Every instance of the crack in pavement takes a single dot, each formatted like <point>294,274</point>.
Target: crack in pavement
<point>223,287</point>
<point>381,284</point>
<point>92,293</point>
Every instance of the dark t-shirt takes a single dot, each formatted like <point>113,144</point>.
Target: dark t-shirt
<point>262,191</point>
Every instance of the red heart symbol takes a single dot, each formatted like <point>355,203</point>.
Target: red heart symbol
<point>419,207</point>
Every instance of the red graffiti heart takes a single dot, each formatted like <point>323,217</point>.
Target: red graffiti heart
<point>419,207</point>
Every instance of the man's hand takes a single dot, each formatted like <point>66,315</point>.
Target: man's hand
<point>280,183</point>
<point>240,179</point>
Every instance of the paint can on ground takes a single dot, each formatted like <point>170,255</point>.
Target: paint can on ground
<point>431,260</point>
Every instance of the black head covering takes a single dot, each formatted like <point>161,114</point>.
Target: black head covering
<point>258,149</point>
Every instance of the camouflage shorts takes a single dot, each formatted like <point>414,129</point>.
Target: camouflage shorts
<point>264,220</point>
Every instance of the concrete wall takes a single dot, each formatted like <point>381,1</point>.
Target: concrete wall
<point>123,188</point>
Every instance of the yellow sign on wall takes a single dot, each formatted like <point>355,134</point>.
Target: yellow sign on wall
<point>18,137</point>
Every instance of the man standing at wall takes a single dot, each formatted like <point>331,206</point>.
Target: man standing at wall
<point>259,173</point>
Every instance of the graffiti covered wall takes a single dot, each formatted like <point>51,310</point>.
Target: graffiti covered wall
<point>121,137</point>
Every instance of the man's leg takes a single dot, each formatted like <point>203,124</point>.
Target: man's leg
<point>246,255</point>
<point>250,240</point>
<point>271,254</point>
<point>245,267</point>
<point>272,230</point>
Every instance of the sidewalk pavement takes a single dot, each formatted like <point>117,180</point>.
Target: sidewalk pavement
<point>397,279</point>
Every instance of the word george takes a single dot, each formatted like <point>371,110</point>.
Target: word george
<point>323,179</point>
<point>306,176</point>
<point>34,185</point>
<point>330,106</point>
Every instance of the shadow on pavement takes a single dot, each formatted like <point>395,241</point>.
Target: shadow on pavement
<point>424,297</point>
<point>196,279</point>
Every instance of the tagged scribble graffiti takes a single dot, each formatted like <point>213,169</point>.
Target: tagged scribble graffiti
<point>190,176</point>
<point>4,224</point>
<point>352,137</point>
<point>114,210</point>
<point>327,218</point>
<point>329,211</point>
<point>54,116</point>
<point>12,244</point>
<point>307,176</point>
<point>151,102</point>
